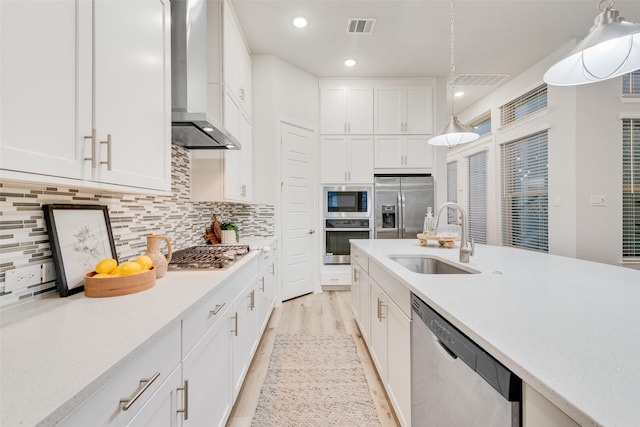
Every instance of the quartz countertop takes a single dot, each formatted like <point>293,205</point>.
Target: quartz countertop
<point>55,352</point>
<point>569,328</point>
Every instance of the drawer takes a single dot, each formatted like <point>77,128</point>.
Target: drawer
<point>267,258</point>
<point>360,257</point>
<point>213,307</point>
<point>336,275</point>
<point>136,381</point>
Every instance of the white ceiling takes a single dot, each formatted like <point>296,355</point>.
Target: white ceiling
<point>411,38</point>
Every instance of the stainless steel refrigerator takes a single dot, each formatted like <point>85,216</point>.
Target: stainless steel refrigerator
<point>400,205</point>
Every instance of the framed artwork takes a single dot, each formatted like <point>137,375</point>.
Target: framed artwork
<point>79,236</point>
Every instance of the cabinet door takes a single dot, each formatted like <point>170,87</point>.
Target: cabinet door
<point>418,152</point>
<point>333,159</point>
<point>418,110</point>
<point>388,114</point>
<point>389,151</point>
<point>132,92</point>
<point>161,409</point>
<point>399,362</point>
<point>45,81</point>
<point>365,307</point>
<point>360,110</point>
<point>356,276</point>
<point>230,53</point>
<point>378,336</point>
<point>208,371</point>
<point>333,111</point>
<point>244,78</point>
<point>246,140</point>
<point>360,159</point>
<point>243,327</point>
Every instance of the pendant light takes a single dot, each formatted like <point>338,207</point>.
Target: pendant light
<point>611,49</point>
<point>454,133</point>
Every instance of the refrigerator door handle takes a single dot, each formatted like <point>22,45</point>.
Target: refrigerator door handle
<point>400,215</point>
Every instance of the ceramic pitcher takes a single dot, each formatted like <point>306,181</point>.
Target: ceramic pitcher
<point>160,262</point>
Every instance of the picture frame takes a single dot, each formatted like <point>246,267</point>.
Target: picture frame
<point>79,236</point>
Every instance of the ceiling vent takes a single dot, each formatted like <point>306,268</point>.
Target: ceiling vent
<point>360,26</point>
<point>486,80</point>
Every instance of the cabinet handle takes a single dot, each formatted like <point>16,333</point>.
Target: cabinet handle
<point>356,275</point>
<point>242,93</point>
<point>382,306</point>
<point>348,127</point>
<point>243,190</point>
<point>253,299</point>
<point>93,157</point>
<point>185,400</point>
<point>345,127</point>
<point>108,142</point>
<point>144,385</point>
<point>273,266</point>
<point>262,283</point>
<point>216,309</point>
<point>235,329</point>
<point>345,176</point>
<point>378,308</point>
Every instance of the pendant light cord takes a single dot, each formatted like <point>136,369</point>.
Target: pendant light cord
<point>453,63</point>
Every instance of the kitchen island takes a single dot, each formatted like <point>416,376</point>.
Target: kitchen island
<point>568,328</point>
<point>59,353</point>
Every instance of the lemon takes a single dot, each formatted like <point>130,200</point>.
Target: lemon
<point>145,262</point>
<point>116,271</point>
<point>106,266</point>
<point>129,268</point>
<point>101,275</point>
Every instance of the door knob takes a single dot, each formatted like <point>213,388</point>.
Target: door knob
<point>312,231</point>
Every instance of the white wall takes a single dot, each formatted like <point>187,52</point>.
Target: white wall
<point>585,158</point>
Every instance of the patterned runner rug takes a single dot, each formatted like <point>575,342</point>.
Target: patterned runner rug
<point>315,381</point>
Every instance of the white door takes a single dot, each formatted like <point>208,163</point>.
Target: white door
<point>298,210</point>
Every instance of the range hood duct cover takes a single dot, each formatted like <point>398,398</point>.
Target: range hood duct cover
<point>191,128</point>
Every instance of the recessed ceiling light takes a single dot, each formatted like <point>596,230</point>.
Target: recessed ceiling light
<point>300,22</point>
<point>458,94</point>
<point>350,62</point>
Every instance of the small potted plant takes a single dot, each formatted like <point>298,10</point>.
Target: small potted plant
<point>229,232</point>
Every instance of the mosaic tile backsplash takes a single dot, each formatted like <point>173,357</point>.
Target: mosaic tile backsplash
<point>23,234</point>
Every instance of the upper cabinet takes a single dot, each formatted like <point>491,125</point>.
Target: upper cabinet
<point>403,152</point>
<point>236,66</point>
<point>403,110</point>
<point>346,159</point>
<point>346,110</point>
<point>100,116</point>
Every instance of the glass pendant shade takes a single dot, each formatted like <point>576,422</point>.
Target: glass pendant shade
<point>454,133</point>
<point>611,49</point>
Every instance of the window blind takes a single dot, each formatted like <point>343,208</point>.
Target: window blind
<point>452,191</point>
<point>525,205</point>
<point>631,189</point>
<point>631,83</point>
<point>478,197</point>
<point>524,105</point>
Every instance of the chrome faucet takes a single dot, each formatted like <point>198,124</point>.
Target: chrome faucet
<point>466,245</point>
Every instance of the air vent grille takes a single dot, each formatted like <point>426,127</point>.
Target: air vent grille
<point>486,80</point>
<point>360,26</point>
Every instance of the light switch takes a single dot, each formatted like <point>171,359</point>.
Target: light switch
<point>598,200</point>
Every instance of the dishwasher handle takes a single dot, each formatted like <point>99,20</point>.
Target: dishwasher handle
<point>446,349</point>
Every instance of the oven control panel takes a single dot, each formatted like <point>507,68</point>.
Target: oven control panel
<point>347,223</point>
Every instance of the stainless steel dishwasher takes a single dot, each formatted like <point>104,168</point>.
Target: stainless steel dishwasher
<point>454,382</point>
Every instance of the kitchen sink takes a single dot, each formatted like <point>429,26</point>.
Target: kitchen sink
<point>429,265</point>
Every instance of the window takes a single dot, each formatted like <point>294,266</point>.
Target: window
<point>524,105</point>
<point>481,126</point>
<point>631,83</point>
<point>525,205</point>
<point>478,197</point>
<point>452,190</point>
<point>631,188</point>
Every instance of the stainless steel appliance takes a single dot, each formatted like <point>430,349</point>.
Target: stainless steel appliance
<point>207,257</point>
<point>338,232</point>
<point>400,205</point>
<point>347,201</point>
<point>454,382</point>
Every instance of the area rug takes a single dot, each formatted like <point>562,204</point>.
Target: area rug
<point>315,381</point>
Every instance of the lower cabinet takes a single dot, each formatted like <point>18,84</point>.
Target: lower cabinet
<point>162,410</point>
<point>243,328</point>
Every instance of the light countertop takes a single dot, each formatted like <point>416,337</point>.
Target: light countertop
<point>569,328</point>
<point>55,352</point>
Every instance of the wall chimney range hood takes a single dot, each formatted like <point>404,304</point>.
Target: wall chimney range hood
<point>191,127</point>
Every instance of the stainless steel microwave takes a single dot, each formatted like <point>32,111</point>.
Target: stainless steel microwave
<point>347,201</point>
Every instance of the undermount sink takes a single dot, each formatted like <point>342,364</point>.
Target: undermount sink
<point>429,265</point>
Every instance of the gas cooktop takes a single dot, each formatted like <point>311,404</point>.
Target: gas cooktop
<point>207,257</point>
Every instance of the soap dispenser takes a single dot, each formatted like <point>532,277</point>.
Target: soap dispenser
<point>429,223</point>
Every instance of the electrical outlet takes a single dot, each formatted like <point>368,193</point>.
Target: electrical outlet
<point>48,272</point>
<point>598,200</point>
<point>23,277</point>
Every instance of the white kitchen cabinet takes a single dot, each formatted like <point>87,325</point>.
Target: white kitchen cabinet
<point>360,290</point>
<point>236,67</point>
<point>162,410</point>
<point>206,370</point>
<point>379,304</point>
<point>267,291</point>
<point>403,110</point>
<point>398,362</point>
<point>243,330</point>
<point>102,110</point>
<point>346,110</point>
<point>346,159</point>
<point>403,152</point>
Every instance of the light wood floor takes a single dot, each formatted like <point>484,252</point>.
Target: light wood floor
<point>313,314</point>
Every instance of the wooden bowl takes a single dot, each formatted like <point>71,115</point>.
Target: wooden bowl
<point>115,286</point>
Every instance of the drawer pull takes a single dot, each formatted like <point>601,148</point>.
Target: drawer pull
<point>262,283</point>
<point>108,143</point>
<point>144,385</point>
<point>216,309</point>
<point>93,157</point>
<point>235,321</point>
<point>185,411</point>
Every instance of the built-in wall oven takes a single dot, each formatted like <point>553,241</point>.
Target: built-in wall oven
<point>347,214</point>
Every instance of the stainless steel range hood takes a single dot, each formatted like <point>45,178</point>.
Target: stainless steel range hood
<point>191,127</point>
